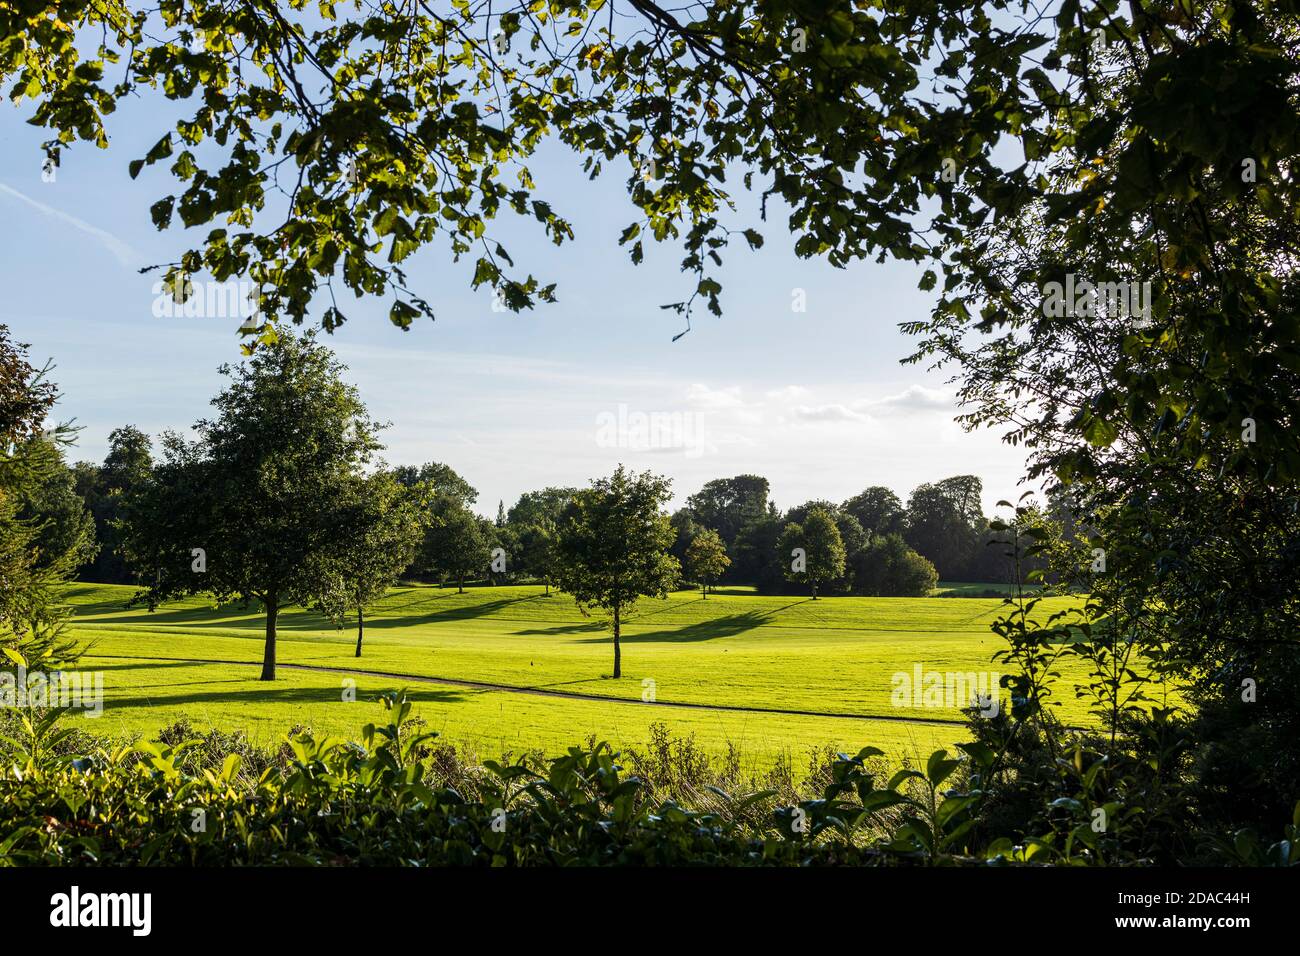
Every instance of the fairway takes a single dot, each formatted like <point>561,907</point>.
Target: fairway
<point>509,669</point>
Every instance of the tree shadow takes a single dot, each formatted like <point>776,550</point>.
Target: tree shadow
<point>281,695</point>
<point>199,616</point>
<point>465,612</point>
<point>719,627</point>
<point>229,616</point>
<point>579,627</point>
<point>138,665</point>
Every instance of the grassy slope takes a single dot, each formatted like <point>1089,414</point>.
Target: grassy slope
<point>830,656</point>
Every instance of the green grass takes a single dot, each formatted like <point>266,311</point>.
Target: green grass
<point>977,589</point>
<point>834,656</point>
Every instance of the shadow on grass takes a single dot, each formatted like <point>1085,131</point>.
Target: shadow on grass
<point>226,616</point>
<point>141,665</point>
<point>464,612</point>
<point>720,627</point>
<point>582,627</point>
<point>272,695</point>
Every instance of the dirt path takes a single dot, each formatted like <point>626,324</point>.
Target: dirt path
<point>544,692</point>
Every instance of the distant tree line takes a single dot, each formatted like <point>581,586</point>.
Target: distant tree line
<point>728,533</point>
<point>871,544</point>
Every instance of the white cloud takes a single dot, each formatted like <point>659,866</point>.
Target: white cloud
<point>788,394</point>
<point>705,397</point>
<point>832,412</point>
<point>913,398</point>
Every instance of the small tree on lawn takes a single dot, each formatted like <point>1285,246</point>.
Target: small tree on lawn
<point>455,544</point>
<point>706,559</point>
<point>813,551</point>
<point>251,510</point>
<point>384,524</point>
<point>537,550</point>
<point>612,547</point>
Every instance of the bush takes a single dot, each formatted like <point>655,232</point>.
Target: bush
<point>385,801</point>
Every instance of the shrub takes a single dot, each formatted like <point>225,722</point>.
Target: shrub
<point>385,800</point>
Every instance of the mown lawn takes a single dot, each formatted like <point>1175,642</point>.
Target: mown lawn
<point>834,656</point>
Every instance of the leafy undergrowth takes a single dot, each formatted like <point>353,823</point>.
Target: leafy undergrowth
<point>396,797</point>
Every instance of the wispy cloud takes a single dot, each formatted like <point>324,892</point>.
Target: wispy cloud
<point>831,412</point>
<point>122,251</point>
<point>913,398</point>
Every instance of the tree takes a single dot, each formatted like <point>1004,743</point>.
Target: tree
<point>504,560</point>
<point>64,526</point>
<point>727,504</point>
<point>537,507</point>
<point>612,547</point>
<point>887,567</point>
<point>443,479</point>
<point>758,556</point>
<point>706,559</point>
<point>946,523</point>
<point>878,510</point>
<point>855,541</point>
<point>852,537</point>
<point>104,487</point>
<point>371,161</point>
<point>253,510</point>
<point>685,530</point>
<point>382,523</point>
<point>799,513</point>
<point>33,562</point>
<point>815,548</point>
<point>1134,329</point>
<point>455,544</point>
<point>537,550</point>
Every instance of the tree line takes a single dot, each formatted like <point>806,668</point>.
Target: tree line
<point>281,499</point>
<point>728,533</point>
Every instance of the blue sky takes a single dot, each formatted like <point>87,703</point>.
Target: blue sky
<point>816,401</point>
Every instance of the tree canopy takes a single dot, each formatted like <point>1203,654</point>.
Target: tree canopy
<point>329,142</point>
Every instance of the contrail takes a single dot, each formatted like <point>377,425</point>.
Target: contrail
<point>121,251</point>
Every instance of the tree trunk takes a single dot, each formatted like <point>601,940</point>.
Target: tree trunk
<point>460,583</point>
<point>361,628</point>
<point>704,590</point>
<point>618,654</point>
<point>268,655</point>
